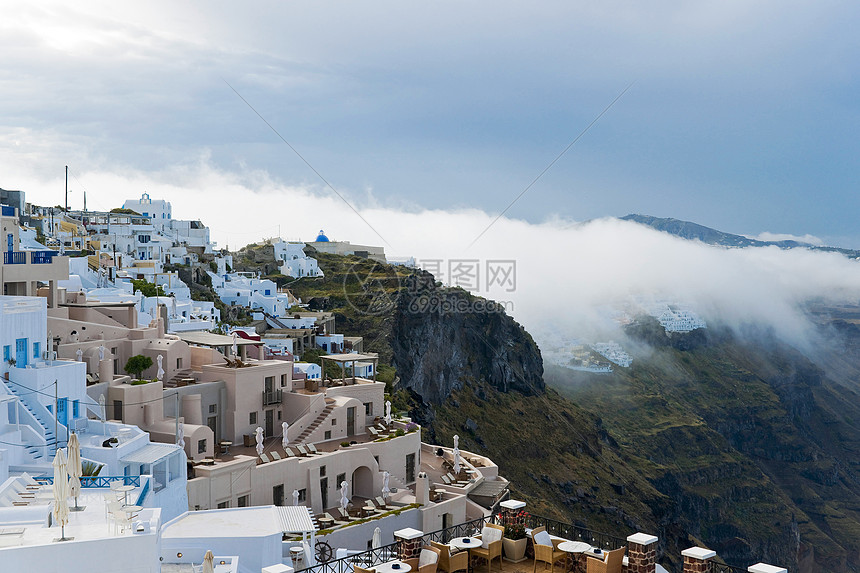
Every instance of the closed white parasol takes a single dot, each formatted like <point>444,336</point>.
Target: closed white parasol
<point>209,562</point>
<point>344,495</point>
<point>285,440</point>
<point>74,469</point>
<point>61,493</point>
<point>259,441</point>
<point>386,491</point>
<point>456,455</point>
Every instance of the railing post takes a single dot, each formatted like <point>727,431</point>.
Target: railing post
<point>642,553</point>
<point>512,513</point>
<point>409,542</point>
<point>698,560</point>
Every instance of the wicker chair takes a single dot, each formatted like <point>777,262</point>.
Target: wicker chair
<point>427,568</point>
<point>547,553</point>
<point>489,553</point>
<point>612,563</point>
<point>450,563</point>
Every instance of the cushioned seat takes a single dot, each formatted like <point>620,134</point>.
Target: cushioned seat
<point>491,545</point>
<point>546,549</point>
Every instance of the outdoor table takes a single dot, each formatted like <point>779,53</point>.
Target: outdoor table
<point>226,445</point>
<point>575,548</point>
<point>325,522</point>
<point>124,489</point>
<point>131,508</point>
<point>395,566</point>
<point>466,543</point>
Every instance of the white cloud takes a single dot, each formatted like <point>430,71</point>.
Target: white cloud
<point>809,239</point>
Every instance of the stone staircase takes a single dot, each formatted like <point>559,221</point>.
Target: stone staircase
<point>177,379</point>
<point>46,428</point>
<point>316,423</point>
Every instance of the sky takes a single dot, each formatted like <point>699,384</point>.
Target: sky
<point>415,125</point>
<point>742,116</point>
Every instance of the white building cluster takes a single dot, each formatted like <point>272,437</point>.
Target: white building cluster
<point>218,442</point>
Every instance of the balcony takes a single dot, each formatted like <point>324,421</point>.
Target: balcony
<point>270,398</point>
<point>14,257</point>
<point>42,257</point>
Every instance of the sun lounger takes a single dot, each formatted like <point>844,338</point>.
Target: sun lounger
<point>264,458</point>
<point>302,450</point>
<point>446,480</point>
<point>289,453</point>
<point>373,431</point>
<point>275,456</point>
<point>380,502</point>
<point>312,449</point>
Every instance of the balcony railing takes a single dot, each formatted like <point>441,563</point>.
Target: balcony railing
<point>42,257</point>
<point>273,397</point>
<point>95,481</point>
<point>14,257</point>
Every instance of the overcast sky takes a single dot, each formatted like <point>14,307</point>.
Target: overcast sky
<point>744,116</point>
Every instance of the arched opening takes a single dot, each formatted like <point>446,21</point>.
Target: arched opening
<point>362,483</point>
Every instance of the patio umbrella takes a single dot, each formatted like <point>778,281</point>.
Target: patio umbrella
<point>160,374</point>
<point>344,497</point>
<point>180,436</point>
<point>456,455</point>
<point>234,348</point>
<point>284,439</point>
<point>209,562</point>
<point>259,441</point>
<point>295,497</point>
<point>388,412</point>
<point>74,469</point>
<point>61,493</point>
<point>385,489</point>
<point>376,541</point>
<point>103,412</point>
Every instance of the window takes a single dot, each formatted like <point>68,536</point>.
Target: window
<point>113,350</point>
<point>76,408</point>
<point>368,408</point>
<point>340,479</point>
<point>6,352</point>
<point>279,414</point>
<point>252,418</point>
<point>278,494</point>
<point>36,350</point>
<point>243,501</point>
<point>303,495</point>
<point>322,471</point>
<point>212,408</point>
<point>283,380</point>
<point>224,505</point>
<point>201,446</point>
<point>179,364</point>
<point>327,434</point>
<point>334,422</point>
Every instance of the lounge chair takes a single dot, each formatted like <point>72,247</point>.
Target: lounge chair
<point>546,549</point>
<point>491,545</point>
<point>289,453</point>
<point>275,456</point>
<point>312,449</point>
<point>333,519</point>
<point>446,480</point>
<point>302,451</point>
<point>264,458</point>
<point>427,560</point>
<point>612,562</point>
<point>380,502</point>
<point>451,562</point>
<point>342,515</point>
<point>373,431</point>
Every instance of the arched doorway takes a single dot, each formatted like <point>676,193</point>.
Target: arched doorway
<point>362,483</point>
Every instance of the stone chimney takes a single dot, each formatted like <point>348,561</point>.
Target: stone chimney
<point>409,543</point>
<point>422,489</point>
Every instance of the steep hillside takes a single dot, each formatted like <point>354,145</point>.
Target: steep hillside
<point>758,449</point>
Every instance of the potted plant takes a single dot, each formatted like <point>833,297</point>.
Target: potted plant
<point>514,542</point>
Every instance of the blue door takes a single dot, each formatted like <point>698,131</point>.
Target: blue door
<point>9,242</point>
<point>21,352</point>
<point>63,411</point>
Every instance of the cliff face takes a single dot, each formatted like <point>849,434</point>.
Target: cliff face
<point>442,338</point>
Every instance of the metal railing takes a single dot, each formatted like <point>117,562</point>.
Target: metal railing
<point>42,257</point>
<point>723,568</point>
<point>14,257</point>
<point>466,529</point>
<point>605,541</point>
<point>95,481</point>
<point>273,397</point>
<point>365,560</point>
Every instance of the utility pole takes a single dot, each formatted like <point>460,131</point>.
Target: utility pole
<point>67,188</point>
<point>56,416</point>
<point>176,435</point>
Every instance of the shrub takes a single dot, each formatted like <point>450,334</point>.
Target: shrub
<point>344,444</point>
<point>137,364</point>
<point>515,531</point>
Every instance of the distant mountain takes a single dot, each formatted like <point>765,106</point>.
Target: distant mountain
<point>696,232</point>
